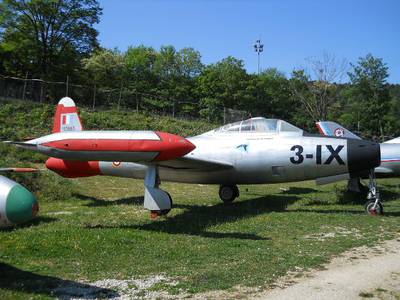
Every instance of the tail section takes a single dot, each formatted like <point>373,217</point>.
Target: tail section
<point>329,128</point>
<point>67,118</point>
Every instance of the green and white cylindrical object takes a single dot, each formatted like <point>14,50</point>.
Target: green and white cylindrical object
<point>17,204</point>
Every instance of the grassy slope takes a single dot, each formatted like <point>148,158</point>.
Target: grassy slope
<point>100,230</point>
<point>25,119</point>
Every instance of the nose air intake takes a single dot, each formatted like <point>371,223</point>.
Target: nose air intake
<point>362,155</point>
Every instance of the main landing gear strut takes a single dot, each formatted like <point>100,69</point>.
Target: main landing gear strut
<point>373,205</point>
<point>158,201</point>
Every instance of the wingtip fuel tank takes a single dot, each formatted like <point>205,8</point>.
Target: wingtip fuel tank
<point>17,204</point>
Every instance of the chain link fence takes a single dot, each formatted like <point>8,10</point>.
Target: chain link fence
<point>98,98</point>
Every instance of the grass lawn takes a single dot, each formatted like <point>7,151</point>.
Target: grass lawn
<point>103,232</point>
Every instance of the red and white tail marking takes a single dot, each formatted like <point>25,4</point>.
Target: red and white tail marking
<point>67,118</point>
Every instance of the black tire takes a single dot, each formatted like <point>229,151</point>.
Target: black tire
<point>166,211</point>
<point>228,193</point>
<point>373,212</point>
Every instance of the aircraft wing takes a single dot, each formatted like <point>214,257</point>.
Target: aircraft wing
<point>191,163</point>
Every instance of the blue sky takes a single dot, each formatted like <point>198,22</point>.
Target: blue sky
<point>290,30</point>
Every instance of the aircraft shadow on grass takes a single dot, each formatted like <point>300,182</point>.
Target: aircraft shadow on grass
<point>96,202</point>
<point>347,197</point>
<point>14,279</point>
<point>34,222</point>
<point>197,218</point>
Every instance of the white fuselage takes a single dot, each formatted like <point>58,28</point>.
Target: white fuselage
<point>255,158</point>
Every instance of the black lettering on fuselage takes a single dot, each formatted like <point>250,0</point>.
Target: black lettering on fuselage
<point>298,157</point>
<point>334,155</point>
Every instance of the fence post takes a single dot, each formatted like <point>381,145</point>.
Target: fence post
<point>224,116</point>
<point>137,103</point>
<point>120,96</point>
<point>24,90</point>
<point>5,89</point>
<point>41,91</point>
<point>66,86</point>
<point>94,96</point>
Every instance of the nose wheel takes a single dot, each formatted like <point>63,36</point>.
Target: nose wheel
<point>228,193</point>
<point>158,201</point>
<point>154,214</point>
<point>373,206</point>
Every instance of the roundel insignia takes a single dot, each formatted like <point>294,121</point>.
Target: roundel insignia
<point>339,132</point>
<point>116,163</point>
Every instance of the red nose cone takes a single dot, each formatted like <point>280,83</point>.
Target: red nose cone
<point>173,146</point>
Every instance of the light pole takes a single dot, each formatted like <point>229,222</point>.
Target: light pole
<point>258,47</point>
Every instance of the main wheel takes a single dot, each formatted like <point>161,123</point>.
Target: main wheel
<point>228,193</point>
<point>378,210</point>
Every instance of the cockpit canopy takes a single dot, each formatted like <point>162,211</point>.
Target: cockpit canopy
<point>259,125</point>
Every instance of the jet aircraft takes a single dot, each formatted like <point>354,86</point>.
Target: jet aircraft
<point>253,151</point>
<point>17,204</point>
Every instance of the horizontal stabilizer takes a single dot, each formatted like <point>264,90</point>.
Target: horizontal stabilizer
<point>19,170</point>
<point>332,179</point>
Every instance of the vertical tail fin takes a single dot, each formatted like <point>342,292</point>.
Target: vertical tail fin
<point>67,118</point>
<point>329,128</point>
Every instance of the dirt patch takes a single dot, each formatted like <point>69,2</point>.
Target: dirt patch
<point>360,273</point>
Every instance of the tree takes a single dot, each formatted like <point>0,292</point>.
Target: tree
<point>369,92</point>
<point>225,83</point>
<point>48,37</point>
<point>318,89</point>
<point>176,71</point>
<point>139,62</point>
<point>271,96</point>
<point>189,62</point>
<point>106,67</point>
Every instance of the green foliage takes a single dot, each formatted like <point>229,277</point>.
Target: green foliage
<point>106,66</point>
<point>369,95</point>
<point>21,120</point>
<point>48,38</point>
<point>272,95</point>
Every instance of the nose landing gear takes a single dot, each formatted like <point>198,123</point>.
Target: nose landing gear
<point>373,206</point>
<point>158,201</point>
